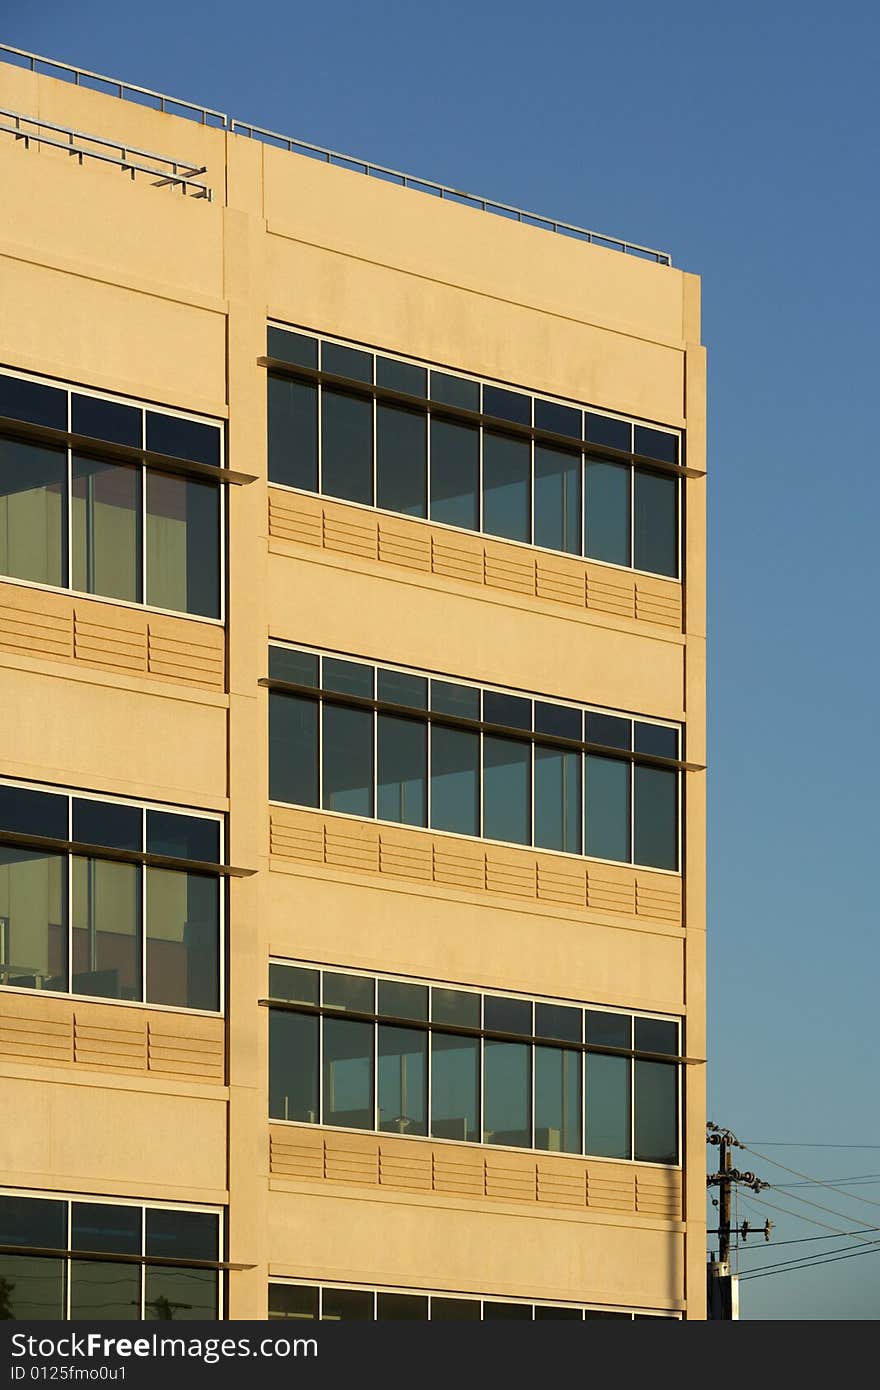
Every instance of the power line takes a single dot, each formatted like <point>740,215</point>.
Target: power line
<point>790,1144</point>
<point>818,1182</point>
<point>858,1180</point>
<point>799,1216</point>
<point>827,1260</point>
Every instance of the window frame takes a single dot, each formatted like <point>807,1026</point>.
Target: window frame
<point>629,1314</point>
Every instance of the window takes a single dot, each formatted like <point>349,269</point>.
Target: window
<point>401,1057</point>
<point>125,928</point>
<point>314,1303</point>
<point>471,454</point>
<point>349,737</point>
<point>110,522</point>
<point>84,1282</point>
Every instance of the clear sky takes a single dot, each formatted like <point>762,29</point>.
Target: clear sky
<point>744,140</point>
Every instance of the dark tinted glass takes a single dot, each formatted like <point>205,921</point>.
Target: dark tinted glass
<point>186,1235</point>
<point>608,1106</point>
<point>183,544</point>
<point>455,1006</point>
<point>398,688</point>
<point>609,1030</point>
<point>660,742</point>
<point>655,523</point>
<point>402,1080</point>
<point>33,919</point>
<point>33,512</point>
<point>182,1294</point>
<point>347,762</point>
<point>293,1301</point>
<point>546,1313</point>
<point>611,434</point>
<point>501,1015</point>
<point>293,1066</point>
<point>402,770</point>
<point>346,1305</point>
<point>355,992</point>
<point>609,731</point>
<point>346,361</point>
<point>300,668</point>
<point>557,499</point>
<point>455,390</point>
<point>507,1093</point>
<point>507,1312</point>
<point>512,711</point>
<point>607,512</point>
<point>463,701</point>
<point>558,720</point>
<point>399,1000</point>
<point>561,419</point>
<point>33,1221</point>
<point>346,446</point>
<point>558,799</point>
<point>183,439</point>
<point>348,1073</point>
<point>507,790</point>
<point>293,749</point>
<point>455,1075</point>
<point>506,487</point>
<point>184,837</point>
<point>34,1288</point>
<point>347,677</point>
<point>33,813</point>
<point>507,405</point>
<point>183,921</point>
<point>656,1035</point>
<point>455,1310</point>
<point>558,1093</point>
<point>104,1290</point>
<point>607,809</point>
<point>106,526</point>
<point>401,460</point>
<point>455,780</point>
<point>656,1119</point>
<point>656,444</point>
<point>292,426</point>
<point>401,376</point>
<point>34,402</point>
<point>655,817</point>
<point>121,424</point>
<point>107,823</point>
<point>295,348</point>
<point>294,983</point>
<point>558,1021</point>
<point>101,1227</point>
<point>455,474</point>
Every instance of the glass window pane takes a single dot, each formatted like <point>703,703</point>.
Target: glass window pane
<point>185,837</point>
<point>32,1289</point>
<point>401,1307</point>
<point>656,739</point>
<point>108,823</point>
<point>455,780</point>
<point>183,545</point>
<point>507,1099</point>
<point>607,512</point>
<point>347,760</point>
<point>609,730</point>
<point>455,474</point>
<point>607,808</point>
<point>348,1073</point>
<point>656,1118</point>
<point>398,688</point>
<point>348,677</point>
<point>656,1035</point>
<point>455,390</point>
<point>346,446</point>
<point>102,1226</point>
<point>111,420</point>
<point>507,405</point>
<point>296,348</point>
<point>560,720</point>
<point>401,460</point>
<point>559,1021</point>
<point>560,419</point>
<point>33,813</point>
<point>293,1301</point>
<point>106,928</point>
<point>455,1080</point>
<point>558,799</point>
<point>505,1015</point>
<point>558,1124</point>
<point>462,701</point>
<point>403,1080</point>
<point>293,749</point>
<point>33,513</point>
<point>510,710</point>
<point>656,830</point>
<point>104,1291</point>
<point>105,554</point>
<point>455,1309</point>
<point>183,939</point>
<point>507,795</point>
<point>456,1006</point>
<point>294,983</point>
<point>288,664</point>
<point>292,433</point>
<point>401,376</point>
<point>608,1106</point>
<point>506,487</point>
<point>346,1305</point>
<point>345,361</point>
<point>33,920</point>
<point>356,992</point>
<point>557,499</point>
<point>656,444</point>
<point>33,1221</point>
<point>34,402</point>
<point>610,433</point>
<point>293,1066</point>
<point>183,439</point>
<point>655,523</point>
<point>180,1295</point>
<point>190,1235</point>
<point>609,1030</point>
<point>508,1312</point>
<point>399,1000</point>
<point>546,1312</point>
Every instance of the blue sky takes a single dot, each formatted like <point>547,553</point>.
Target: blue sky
<point>745,142</point>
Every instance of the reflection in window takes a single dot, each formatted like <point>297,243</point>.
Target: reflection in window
<point>455,474</point>
<point>401,461</point>
<point>455,1087</point>
<point>402,1080</point>
<point>507,790</point>
<point>348,1073</point>
<point>183,967</point>
<point>348,760</point>
<point>607,807</point>
<point>293,1066</point>
<point>557,799</point>
<point>506,487</point>
<point>403,770</point>
<point>557,499</point>
<point>455,780</point>
<point>107,928</point>
<point>507,1094</point>
<point>558,1099</point>
<point>656,1118</point>
<point>33,513</point>
<point>347,446</point>
<point>608,1106</point>
<point>33,919</point>
<point>183,548</point>
<point>106,508</point>
<point>607,512</point>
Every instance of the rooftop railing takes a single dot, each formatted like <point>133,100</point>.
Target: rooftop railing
<point>206,116</point>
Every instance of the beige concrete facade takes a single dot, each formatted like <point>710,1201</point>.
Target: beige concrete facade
<point>115,285</point>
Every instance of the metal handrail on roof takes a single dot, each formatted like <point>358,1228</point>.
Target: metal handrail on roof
<point>174,173</point>
<point>206,116</point>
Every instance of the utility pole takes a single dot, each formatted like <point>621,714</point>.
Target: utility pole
<point>723,1290</point>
